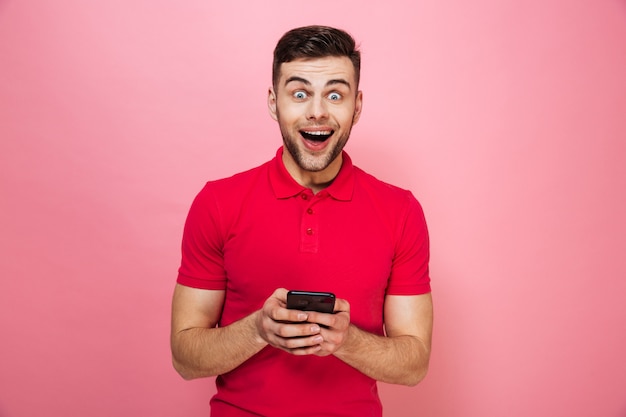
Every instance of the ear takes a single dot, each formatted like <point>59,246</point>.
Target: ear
<point>358,106</point>
<point>271,103</point>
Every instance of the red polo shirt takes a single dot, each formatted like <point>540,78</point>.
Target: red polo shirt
<point>259,230</point>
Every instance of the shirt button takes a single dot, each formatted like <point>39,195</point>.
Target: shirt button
<point>309,231</point>
<point>304,196</point>
<point>310,211</point>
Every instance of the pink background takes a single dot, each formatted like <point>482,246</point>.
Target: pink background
<point>507,120</point>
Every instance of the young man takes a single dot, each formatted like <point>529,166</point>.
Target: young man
<point>306,220</point>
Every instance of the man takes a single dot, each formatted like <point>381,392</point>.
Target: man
<point>306,220</point>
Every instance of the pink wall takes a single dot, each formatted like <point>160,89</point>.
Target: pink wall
<point>507,120</point>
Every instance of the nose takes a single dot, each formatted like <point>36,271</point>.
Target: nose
<point>317,109</point>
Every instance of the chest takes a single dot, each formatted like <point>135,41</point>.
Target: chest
<point>312,243</point>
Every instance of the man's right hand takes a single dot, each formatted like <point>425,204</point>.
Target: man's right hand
<point>287,329</point>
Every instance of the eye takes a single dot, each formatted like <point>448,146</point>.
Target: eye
<point>334,96</point>
<point>300,95</point>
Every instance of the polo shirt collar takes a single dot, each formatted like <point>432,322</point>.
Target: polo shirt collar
<point>285,186</point>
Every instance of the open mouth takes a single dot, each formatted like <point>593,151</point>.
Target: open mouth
<point>317,136</point>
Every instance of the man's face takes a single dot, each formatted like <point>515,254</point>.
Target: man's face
<point>315,102</point>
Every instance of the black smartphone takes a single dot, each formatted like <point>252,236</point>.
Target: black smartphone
<point>324,302</point>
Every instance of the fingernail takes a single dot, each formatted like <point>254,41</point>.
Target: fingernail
<point>315,328</point>
<point>302,316</point>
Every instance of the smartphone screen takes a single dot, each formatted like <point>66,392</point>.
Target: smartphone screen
<point>324,302</point>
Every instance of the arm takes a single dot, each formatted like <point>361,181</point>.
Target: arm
<point>400,357</point>
<point>200,349</point>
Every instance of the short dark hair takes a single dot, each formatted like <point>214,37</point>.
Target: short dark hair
<point>315,42</point>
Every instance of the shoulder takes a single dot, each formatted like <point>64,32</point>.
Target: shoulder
<point>235,186</point>
<point>237,181</point>
<point>222,199</point>
<point>381,190</point>
<point>396,206</point>
<point>218,204</point>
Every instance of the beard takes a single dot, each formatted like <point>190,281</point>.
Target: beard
<point>307,160</point>
<point>313,162</point>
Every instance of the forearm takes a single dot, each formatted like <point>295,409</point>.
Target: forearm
<point>396,360</point>
<point>204,352</point>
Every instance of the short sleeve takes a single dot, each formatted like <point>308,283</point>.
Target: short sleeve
<point>410,271</point>
<point>202,260</point>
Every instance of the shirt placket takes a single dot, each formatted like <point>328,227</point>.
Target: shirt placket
<point>310,223</point>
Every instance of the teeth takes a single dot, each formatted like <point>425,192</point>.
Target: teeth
<point>318,133</point>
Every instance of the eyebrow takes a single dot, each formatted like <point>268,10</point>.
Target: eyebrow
<point>328,83</point>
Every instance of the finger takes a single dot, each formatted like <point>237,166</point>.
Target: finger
<point>294,343</point>
<point>339,320</point>
<point>280,294</point>
<point>341,305</point>
<point>296,330</point>
<point>310,350</point>
<point>283,315</point>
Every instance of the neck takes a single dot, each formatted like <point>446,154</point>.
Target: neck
<point>315,180</point>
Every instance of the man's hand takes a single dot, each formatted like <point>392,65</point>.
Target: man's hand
<point>302,332</point>
<point>335,327</point>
